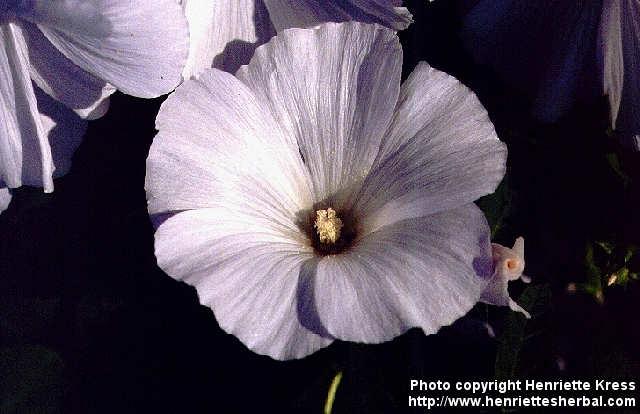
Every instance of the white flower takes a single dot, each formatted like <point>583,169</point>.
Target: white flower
<point>312,197</point>
<point>508,266</point>
<point>225,33</point>
<point>58,57</point>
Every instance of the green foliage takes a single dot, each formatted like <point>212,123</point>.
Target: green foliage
<point>608,264</point>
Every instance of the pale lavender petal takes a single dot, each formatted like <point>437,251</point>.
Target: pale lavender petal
<point>224,33</point>
<point>334,89</point>
<point>424,272</point>
<point>63,79</point>
<point>216,142</point>
<point>5,199</point>
<point>25,155</point>
<point>308,13</point>
<point>139,46</point>
<point>620,63</point>
<point>440,152</point>
<point>247,271</point>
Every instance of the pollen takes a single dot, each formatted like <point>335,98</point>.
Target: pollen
<point>328,225</point>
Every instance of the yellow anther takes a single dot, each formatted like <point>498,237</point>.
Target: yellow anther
<point>328,225</point>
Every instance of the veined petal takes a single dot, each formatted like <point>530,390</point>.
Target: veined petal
<point>246,271</point>
<point>620,59</point>
<point>440,152</point>
<point>217,142</point>
<point>224,33</point>
<point>138,46</point>
<point>25,155</point>
<point>63,79</point>
<point>308,13</point>
<point>424,272</point>
<point>333,89</point>
<point>5,199</point>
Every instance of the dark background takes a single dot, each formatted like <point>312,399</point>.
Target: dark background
<point>90,324</point>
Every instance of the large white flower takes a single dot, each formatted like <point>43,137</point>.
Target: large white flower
<point>312,197</point>
<point>59,62</point>
<point>225,33</point>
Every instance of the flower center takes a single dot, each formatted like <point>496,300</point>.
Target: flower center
<point>328,225</point>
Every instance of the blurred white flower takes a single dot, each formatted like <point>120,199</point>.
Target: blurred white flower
<point>312,197</point>
<point>59,62</point>
<point>225,33</point>
<point>508,266</point>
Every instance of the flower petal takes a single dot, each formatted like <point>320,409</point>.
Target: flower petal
<point>440,152</point>
<point>224,33</point>
<point>511,35</point>
<point>25,155</point>
<point>139,46</point>
<point>333,88</point>
<point>202,156</point>
<point>247,271</point>
<point>308,13</point>
<point>64,129</point>
<point>620,59</point>
<point>424,272</point>
<point>63,79</point>
<point>5,199</point>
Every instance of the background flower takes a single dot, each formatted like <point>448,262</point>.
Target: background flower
<point>225,33</point>
<point>575,38</point>
<point>248,163</point>
<point>77,53</point>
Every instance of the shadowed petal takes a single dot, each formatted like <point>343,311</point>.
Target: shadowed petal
<point>138,46</point>
<point>63,79</point>
<point>64,129</point>
<point>308,13</point>
<point>333,88</point>
<point>440,152</point>
<point>25,155</point>
<point>512,35</point>
<point>424,272</point>
<point>246,270</point>
<point>202,156</point>
<point>224,33</point>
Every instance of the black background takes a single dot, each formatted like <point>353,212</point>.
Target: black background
<point>88,323</point>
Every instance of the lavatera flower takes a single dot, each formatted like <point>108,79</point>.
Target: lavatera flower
<point>59,62</point>
<point>311,197</point>
<point>225,33</point>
